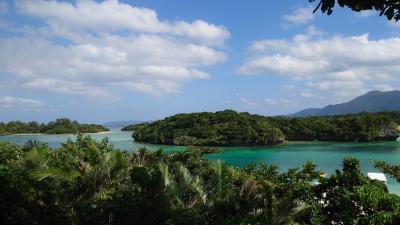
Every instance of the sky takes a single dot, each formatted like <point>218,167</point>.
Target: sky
<point>98,61</point>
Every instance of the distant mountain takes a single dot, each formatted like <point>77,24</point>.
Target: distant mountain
<point>374,101</point>
<point>122,123</point>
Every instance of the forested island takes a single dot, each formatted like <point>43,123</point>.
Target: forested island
<point>230,128</point>
<point>224,128</point>
<point>59,126</point>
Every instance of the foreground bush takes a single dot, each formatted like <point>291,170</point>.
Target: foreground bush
<point>85,182</point>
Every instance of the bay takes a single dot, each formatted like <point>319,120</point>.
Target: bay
<point>327,155</point>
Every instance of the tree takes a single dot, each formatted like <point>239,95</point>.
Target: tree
<point>388,8</point>
<point>391,170</point>
<point>348,197</point>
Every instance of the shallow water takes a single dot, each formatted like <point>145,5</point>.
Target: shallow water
<point>328,156</point>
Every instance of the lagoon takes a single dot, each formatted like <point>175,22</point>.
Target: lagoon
<point>327,155</point>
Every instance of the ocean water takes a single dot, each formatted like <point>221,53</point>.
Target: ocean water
<point>327,155</point>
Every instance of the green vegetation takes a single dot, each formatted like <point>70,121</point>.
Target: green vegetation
<point>229,128</point>
<point>86,182</point>
<point>129,127</point>
<point>225,128</point>
<point>60,126</point>
<point>388,8</point>
<point>393,171</point>
<point>360,127</point>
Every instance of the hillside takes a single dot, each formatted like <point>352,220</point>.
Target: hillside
<point>224,128</point>
<point>374,101</point>
<point>229,128</point>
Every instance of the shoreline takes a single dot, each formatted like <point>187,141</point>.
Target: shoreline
<point>276,145</point>
<point>239,146</point>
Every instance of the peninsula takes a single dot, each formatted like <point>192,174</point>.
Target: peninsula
<point>230,128</point>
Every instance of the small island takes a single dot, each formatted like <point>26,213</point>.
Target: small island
<point>230,128</point>
<point>224,128</point>
<point>59,126</point>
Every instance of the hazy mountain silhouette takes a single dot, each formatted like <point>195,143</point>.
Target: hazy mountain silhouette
<point>122,123</point>
<point>374,101</point>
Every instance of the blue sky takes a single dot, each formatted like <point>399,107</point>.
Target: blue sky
<point>97,61</point>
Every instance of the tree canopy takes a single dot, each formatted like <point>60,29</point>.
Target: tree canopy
<point>59,126</point>
<point>224,128</point>
<point>229,128</point>
<point>393,171</point>
<point>388,8</point>
<point>362,127</point>
<point>88,182</point>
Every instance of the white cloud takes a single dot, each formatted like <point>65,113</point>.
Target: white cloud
<point>300,15</point>
<point>9,102</point>
<point>93,17</point>
<point>3,7</point>
<point>383,87</point>
<point>106,46</point>
<point>340,65</point>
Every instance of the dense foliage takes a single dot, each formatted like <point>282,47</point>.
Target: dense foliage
<point>229,128</point>
<point>393,171</point>
<point>85,182</point>
<point>388,8</point>
<point>129,127</point>
<point>60,126</point>
<point>224,128</point>
<point>352,127</point>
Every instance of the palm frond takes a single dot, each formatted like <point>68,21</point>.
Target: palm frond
<point>54,173</point>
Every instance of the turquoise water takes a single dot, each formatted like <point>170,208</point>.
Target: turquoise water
<point>328,156</point>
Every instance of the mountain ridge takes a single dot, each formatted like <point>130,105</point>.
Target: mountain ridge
<point>373,101</point>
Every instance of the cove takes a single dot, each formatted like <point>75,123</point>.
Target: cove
<point>327,155</point>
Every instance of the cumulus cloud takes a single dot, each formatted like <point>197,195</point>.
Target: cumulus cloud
<point>89,48</point>
<point>10,102</point>
<point>340,65</point>
<point>300,15</point>
<point>111,15</point>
